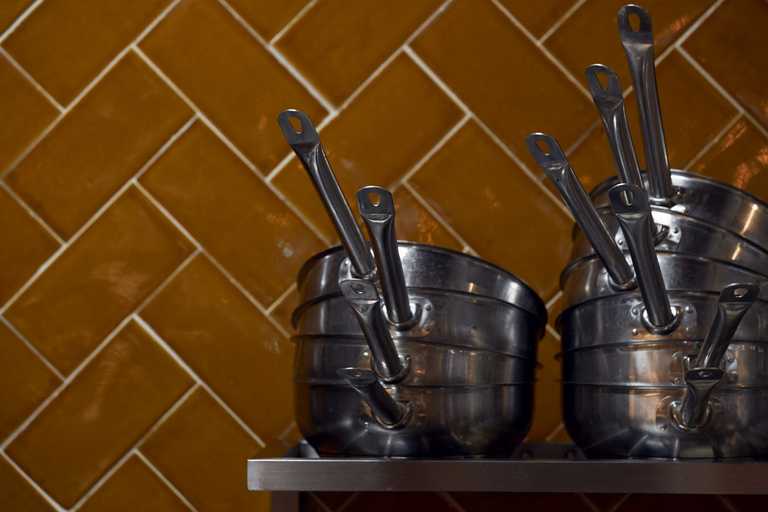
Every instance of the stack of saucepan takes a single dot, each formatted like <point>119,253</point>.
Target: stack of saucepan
<point>664,351</point>
<point>405,349</point>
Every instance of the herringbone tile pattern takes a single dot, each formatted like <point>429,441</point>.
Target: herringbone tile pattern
<point>153,219</point>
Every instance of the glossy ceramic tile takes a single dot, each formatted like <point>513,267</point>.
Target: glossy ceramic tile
<point>202,451</point>
<point>17,494</point>
<point>547,399</point>
<point>230,210</point>
<point>693,112</point>
<point>24,382</point>
<point>514,89</point>
<point>100,415</point>
<point>134,487</point>
<point>496,208</point>
<point>131,113</point>
<point>284,309</point>
<point>98,280</point>
<point>229,344</point>
<point>26,113</point>
<point>27,245</point>
<point>64,45</point>
<point>268,17</point>
<point>541,18</point>
<point>414,223</point>
<point>591,34</point>
<point>729,45</point>
<point>228,74</point>
<point>10,10</point>
<point>338,43</point>
<point>383,133</point>
<point>739,158</point>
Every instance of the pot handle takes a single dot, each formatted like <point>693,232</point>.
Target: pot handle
<point>555,165</point>
<point>638,46</point>
<point>362,297</point>
<point>378,211</point>
<point>705,374</point>
<point>387,411</point>
<point>305,142</point>
<point>610,104</point>
<point>632,209</point>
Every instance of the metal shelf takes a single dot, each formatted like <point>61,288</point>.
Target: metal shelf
<point>543,468</point>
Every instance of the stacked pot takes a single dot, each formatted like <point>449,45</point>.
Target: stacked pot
<point>406,349</point>
<point>665,327</point>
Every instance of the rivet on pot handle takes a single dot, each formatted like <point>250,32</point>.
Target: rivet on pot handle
<point>306,144</point>
<point>632,209</point>
<point>638,46</point>
<point>379,217</point>
<point>364,300</point>
<point>610,103</point>
<point>705,374</point>
<point>387,411</point>
<point>555,165</point>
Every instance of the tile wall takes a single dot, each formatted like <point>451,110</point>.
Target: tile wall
<point>153,219</point>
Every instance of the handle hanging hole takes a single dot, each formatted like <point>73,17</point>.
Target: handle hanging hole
<point>740,292</point>
<point>543,147</point>
<point>634,21</point>
<point>298,128</point>
<point>374,198</point>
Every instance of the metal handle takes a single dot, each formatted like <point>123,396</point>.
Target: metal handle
<point>638,45</point>
<point>633,211</point>
<point>305,142</point>
<point>610,103</point>
<point>378,211</point>
<point>387,411</point>
<point>364,300</point>
<point>555,165</point>
<point>705,374</point>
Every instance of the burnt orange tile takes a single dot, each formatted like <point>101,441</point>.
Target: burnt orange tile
<point>232,212</point>
<point>739,158</point>
<point>99,145</point>
<point>134,487</point>
<point>481,502</point>
<point>64,45</point>
<point>104,275</point>
<point>547,409</point>
<point>27,246</point>
<point>283,311</point>
<point>415,224</point>
<point>672,502</point>
<point>403,114</point>
<point>693,111</point>
<point>541,18</point>
<point>24,381</point>
<point>338,44</point>
<point>17,494</point>
<point>230,76</point>
<point>26,113</point>
<point>10,10</point>
<point>100,415</point>
<point>514,89</point>
<point>402,501</point>
<point>202,451</point>
<point>729,45</point>
<point>496,208</point>
<point>591,34</point>
<point>229,343</point>
<point>268,17</point>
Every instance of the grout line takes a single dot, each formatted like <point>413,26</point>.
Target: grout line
<point>292,22</point>
<point>434,149</point>
<point>193,374</point>
<point>549,55</point>
<point>320,502</point>
<point>444,87</point>
<point>225,140</point>
<point>451,501</point>
<point>559,428</point>
<point>163,478</point>
<point>559,22</point>
<point>280,58</point>
<point>555,297</point>
<point>619,503</point>
<point>696,24</point>
<point>588,502</point>
<point>31,80</point>
<point>596,125</point>
<point>33,348</point>
<point>551,330</point>
<point>714,141</point>
<point>727,503</point>
<point>53,503</point>
<point>31,146</point>
<point>19,20</point>
<point>438,217</point>
<point>32,213</point>
<point>349,500</point>
<point>281,298</point>
<point>115,467</point>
